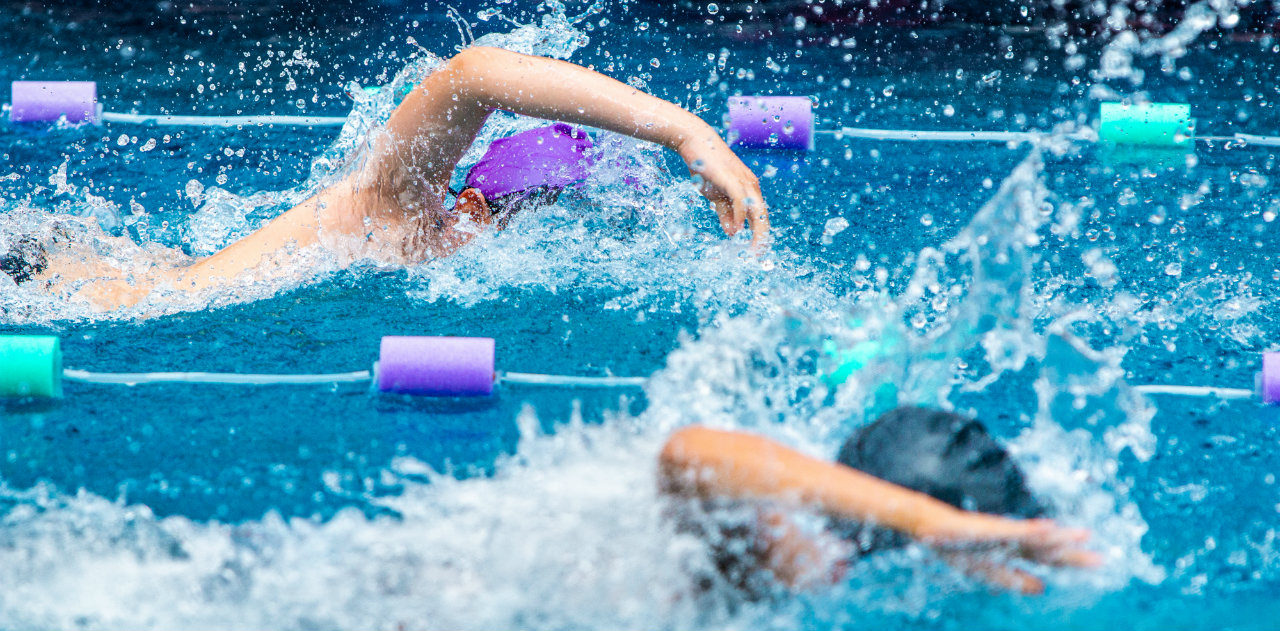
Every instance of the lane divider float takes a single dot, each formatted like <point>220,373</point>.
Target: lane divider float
<point>31,366</point>
<point>754,122</point>
<point>438,366</point>
<point>787,123</point>
<point>77,102</point>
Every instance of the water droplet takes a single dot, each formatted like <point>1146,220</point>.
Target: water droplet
<point>888,90</point>
<point>195,191</point>
<point>1173,269</point>
<point>713,8</point>
<point>833,227</point>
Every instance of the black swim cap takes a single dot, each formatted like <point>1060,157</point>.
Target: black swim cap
<point>24,260</point>
<point>947,456</point>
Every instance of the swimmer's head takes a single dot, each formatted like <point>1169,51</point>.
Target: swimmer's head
<point>947,456</point>
<point>944,455</point>
<point>525,169</point>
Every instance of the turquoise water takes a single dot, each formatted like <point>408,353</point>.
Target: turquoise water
<point>1032,289</point>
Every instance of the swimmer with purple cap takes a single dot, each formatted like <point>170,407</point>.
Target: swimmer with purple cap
<point>394,209</point>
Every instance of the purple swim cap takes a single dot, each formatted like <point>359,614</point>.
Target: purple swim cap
<point>553,156</point>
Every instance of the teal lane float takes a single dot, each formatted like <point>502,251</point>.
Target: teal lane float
<point>30,366</point>
<point>1147,124</point>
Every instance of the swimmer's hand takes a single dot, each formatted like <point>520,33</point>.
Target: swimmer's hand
<point>731,187</point>
<point>974,542</point>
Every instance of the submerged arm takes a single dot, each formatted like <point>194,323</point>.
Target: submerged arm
<point>702,462</point>
<point>436,123</point>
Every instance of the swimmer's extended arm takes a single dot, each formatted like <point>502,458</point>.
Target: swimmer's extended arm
<point>434,125</point>
<point>408,170</point>
<point>703,462</point>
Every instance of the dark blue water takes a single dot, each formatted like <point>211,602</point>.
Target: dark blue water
<point>1186,298</point>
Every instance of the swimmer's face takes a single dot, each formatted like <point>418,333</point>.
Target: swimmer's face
<point>472,204</point>
<point>500,211</point>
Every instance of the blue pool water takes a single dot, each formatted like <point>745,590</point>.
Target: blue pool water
<point>1032,288</point>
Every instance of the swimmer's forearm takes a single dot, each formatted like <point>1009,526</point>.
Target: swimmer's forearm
<point>559,90</point>
<point>713,463</point>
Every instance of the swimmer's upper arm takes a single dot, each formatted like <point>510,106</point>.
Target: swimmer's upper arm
<point>428,133</point>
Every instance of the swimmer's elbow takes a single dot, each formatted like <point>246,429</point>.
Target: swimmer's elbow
<point>466,73</point>
<point>690,459</point>
<point>475,61</point>
<point>686,447</point>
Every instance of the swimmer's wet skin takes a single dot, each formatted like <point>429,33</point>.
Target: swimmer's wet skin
<point>942,461</point>
<point>392,208</point>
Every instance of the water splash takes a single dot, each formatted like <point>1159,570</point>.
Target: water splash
<point>1116,61</point>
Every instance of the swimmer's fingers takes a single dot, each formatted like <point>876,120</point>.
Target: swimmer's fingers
<point>995,573</point>
<point>724,210</point>
<point>735,210</point>
<point>1072,558</point>
<point>758,212</point>
<point>1063,548</point>
<point>1045,542</point>
<point>749,205</point>
<point>1039,540</point>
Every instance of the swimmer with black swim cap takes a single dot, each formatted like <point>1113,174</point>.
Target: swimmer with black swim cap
<point>24,260</point>
<point>393,209</point>
<point>928,475</point>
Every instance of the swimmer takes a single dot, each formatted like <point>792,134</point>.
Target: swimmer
<point>933,476</point>
<point>391,209</point>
